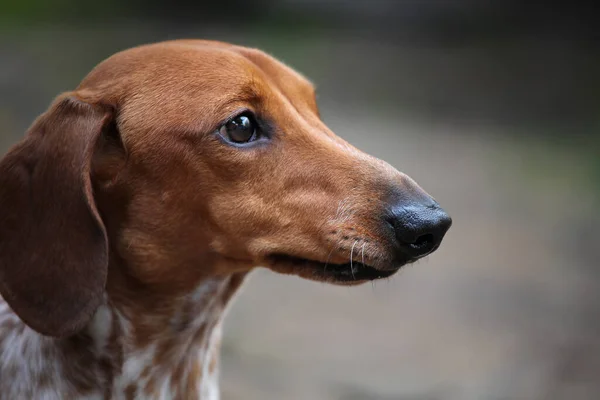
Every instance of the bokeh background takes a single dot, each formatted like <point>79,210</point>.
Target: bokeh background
<point>492,106</point>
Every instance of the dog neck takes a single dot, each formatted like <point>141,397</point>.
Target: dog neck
<point>168,350</point>
<point>128,350</point>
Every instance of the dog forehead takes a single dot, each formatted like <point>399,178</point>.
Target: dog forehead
<point>191,85</point>
<point>168,66</point>
<point>195,65</point>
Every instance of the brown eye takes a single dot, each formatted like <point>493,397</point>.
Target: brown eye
<point>241,129</point>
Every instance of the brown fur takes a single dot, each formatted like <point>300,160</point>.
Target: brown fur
<point>122,188</point>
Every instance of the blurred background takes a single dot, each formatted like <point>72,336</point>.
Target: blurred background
<point>492,106</point>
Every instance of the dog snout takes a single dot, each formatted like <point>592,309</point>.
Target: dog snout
<point>418,227</point>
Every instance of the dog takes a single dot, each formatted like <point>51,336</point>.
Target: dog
<point>137,204</point>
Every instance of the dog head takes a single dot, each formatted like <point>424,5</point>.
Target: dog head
<point>182,160</point>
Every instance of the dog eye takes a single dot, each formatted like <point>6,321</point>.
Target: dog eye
<point>241,129</point>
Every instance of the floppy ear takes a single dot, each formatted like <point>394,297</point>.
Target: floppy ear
<point>53,244</point>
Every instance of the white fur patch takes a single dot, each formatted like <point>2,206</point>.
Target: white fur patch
<point>34,367</point>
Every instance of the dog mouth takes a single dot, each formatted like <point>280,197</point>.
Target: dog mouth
<point>351,272</point>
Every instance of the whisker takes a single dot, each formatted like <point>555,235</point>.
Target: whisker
<point>351,254</point>
<point>363,253</point>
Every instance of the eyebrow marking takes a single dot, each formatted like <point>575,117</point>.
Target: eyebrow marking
<point>247,93</point>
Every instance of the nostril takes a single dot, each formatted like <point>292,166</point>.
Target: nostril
<point>418,230</point>
<point>423,241</point>
<point>421,246</point>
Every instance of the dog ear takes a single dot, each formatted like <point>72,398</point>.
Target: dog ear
<point>53,243</point>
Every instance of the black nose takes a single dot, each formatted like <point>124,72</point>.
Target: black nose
<point>419,228</point>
